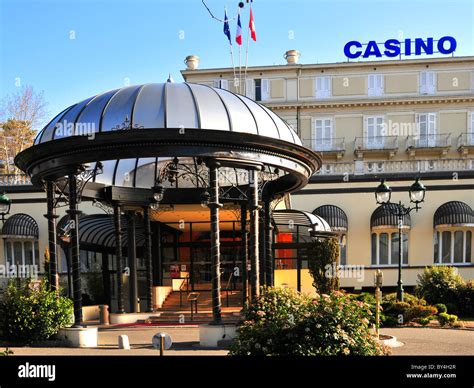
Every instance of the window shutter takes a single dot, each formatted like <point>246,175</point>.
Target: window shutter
<point>432,81</point>
<point>224,84</point>
<point>250,88</point>
<point>370,90</point>
<point>265,89</point>
<point>423,82</point>
<point>380,85</point>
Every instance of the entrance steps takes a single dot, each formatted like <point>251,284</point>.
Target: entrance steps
<point>177,309</point>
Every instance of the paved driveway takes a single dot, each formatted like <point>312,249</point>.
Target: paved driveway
<point>428,341</point>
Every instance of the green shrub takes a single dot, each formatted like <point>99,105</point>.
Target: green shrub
<point>466,299</point>
<point>370,300</point>
<point>447,319</point>
<point>441,308</point>
<point>284,322</point>
<point>439,284</point>
<point>417,312</point>
<point>323,254</point>
<point>33,313</point>
<point>423,321</point>
<point>412,308</point>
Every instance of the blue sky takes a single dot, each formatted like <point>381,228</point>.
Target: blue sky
<point>140,40</point>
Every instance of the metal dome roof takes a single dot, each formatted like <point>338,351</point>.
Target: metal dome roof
<point>382,217</point>
<point>334,215</point>
<point>454,213</point>
<point>20,225</point>
<point>167,105</point>
<point>286,220</point>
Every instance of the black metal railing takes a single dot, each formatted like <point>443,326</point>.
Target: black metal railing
<point>429,141</point>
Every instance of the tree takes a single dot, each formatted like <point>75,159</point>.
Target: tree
<point>21,115</point>
<point>322,262</point>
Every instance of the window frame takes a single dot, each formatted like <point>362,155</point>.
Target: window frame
<point>466,246</point>
<point>324,145</point>
<point>378,86</point>
<point>428,87</point>
<point>389,232</point>
<point>323,92</point>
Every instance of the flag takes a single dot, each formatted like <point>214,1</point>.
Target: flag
<point>253,33</point>
<point>226,27</point>
<point>238,34</point>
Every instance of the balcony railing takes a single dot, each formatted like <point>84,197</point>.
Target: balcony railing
<point>14,180</point>
<point>466,140</point>
<point>442,140</point>
<point>376,143</point>
<point>360,167</point>
<point>331,144</point>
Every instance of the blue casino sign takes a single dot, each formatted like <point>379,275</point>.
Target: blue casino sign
<point>393,47</point>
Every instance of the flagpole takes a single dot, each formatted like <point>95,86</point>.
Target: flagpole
<point>247,54</point>
<point>226,20</point>
<point>240,60</point>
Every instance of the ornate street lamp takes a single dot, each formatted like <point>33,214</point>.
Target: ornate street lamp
<point>5,204</point>
<point>383,194</point>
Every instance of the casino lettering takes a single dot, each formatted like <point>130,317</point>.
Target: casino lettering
<point>393,48</point>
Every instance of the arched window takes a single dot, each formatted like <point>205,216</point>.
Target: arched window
<point>453,223</point>
<point>385,240</point>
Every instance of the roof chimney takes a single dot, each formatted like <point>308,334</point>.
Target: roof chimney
<point>292,57</point>
<point>192,62</point>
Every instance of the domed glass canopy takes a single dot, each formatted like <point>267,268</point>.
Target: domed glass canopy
<point>134,131</point>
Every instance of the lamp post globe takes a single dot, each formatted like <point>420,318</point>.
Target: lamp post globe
<point>417,192</point>
<point>5,204</point>
<point>383,193</point>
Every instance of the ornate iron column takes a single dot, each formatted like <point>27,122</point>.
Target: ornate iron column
<point>214,206</point>
<point>52,236</point>
<point>269,278</point>
<point>106,277</point>
<point>147,256</point>
<point>118,256</point>
<point>75,250</point>
<point>254,210</point>
<point>261,247</point>
<point>245,253</point>
<point>132,262</point>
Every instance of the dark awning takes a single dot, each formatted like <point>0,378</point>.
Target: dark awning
<point>299,221</point>
<point>334,216</point>
<point>454,213</point>
<point>97,231</point>
<point>383,217</point>
<point>20,226</point>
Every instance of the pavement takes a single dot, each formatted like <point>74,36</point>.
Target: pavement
<point>416,341</point>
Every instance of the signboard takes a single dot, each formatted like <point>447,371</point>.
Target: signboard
<point>174,271</point>
<point>392,48</point>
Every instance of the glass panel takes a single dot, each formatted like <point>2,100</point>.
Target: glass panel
<point>383,241</point>
<point>119,109</point>
<point>67,125</point>
<point>125,172</point>
<point>37,258</point>
<point>145,172</point>
<point>394,248</point>
<point>374,248</point>
<point>458,247</point>
<point>8,252</point>
<point>468,246</point>
<point>92,113</point>
<point>405,247</point>
<point>108,175</point>
<point>149,109</point>
<point>212,111</point>
<point>181,111</point>
<point>343,251</point>
<point>18,253</point>
<point>436,248</point>
<point>446,247</point>
<point>28,252</point>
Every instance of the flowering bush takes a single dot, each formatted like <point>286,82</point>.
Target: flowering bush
<point>33,313</point>
<point>285,322</point>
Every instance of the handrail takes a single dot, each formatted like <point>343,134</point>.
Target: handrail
<point>227,288</point>
<point>186,281</point>
<point>193,299</point>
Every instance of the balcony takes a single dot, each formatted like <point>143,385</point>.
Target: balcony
<point>14,180</point>
<point>332,146</point>
<point>375,145</point>
<point>466,143</point>
<point>360,167</point>
<point>421,144</point>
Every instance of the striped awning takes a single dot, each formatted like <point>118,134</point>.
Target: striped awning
<point>454,213</point>
<point>20,226</point>
<point>334,216</point>
<point>98,231</point>
<point>299,221</point>
<point>383,217</point>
